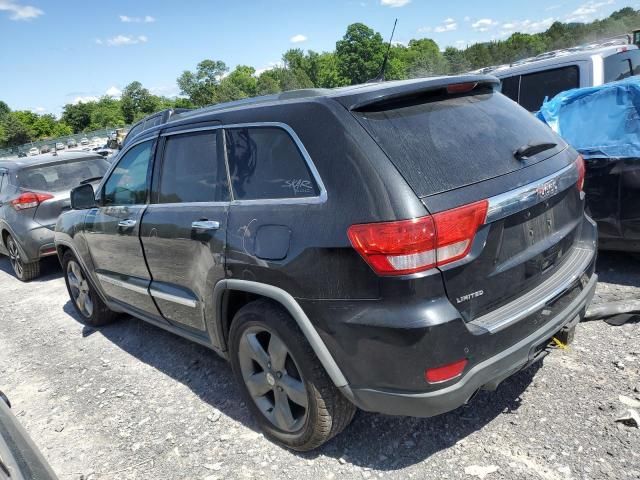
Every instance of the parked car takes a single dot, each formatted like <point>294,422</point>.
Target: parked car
<point>33,151</point>
<point>601,124</point>
<point>531,80</point>
<point>393,247</point>
<point>19,455</point>
<point>71,143</point>
<point>33,192</point>
<point>45,149</point>
<point>59,146</point>
<point>84,141</point>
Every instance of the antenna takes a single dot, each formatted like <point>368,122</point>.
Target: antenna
<point>380,77</point>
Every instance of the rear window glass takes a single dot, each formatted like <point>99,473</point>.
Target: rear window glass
<point>535,87</point>
<point>617,68</point>
<point>265,163</point>
<point>455,141</point>
<point>61,176</point>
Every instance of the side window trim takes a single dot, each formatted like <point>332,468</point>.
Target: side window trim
<point>321,198</point>
<point>154,148</point>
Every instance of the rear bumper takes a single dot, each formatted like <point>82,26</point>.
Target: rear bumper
<point>384,346</point>
<point>36,243</point>
<point>487,374</point>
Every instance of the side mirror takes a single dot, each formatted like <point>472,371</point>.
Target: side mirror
<point>83,197</point>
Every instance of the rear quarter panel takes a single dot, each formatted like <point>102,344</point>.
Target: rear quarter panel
<point>362,186</point>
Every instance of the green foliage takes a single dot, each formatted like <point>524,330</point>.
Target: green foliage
<point>200,86</point>
<point>78,116</point>
<point>4,109</point>
<point>358,57</point>
<point>107,113</point>
<point>15,131</point>
<point>137,102</point>
<point>360,54</point>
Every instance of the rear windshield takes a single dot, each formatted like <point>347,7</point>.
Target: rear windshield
<point>452,141</point>
<point>61,176</point>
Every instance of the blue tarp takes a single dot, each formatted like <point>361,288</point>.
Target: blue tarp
<point>599,122</point>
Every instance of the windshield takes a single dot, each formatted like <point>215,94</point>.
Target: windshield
<point>61,176</point>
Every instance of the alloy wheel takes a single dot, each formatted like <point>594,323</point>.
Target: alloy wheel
<point>79,288</point>
<point>273,379</point>
<point>14,257</point>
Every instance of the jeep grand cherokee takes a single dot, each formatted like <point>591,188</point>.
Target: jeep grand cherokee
<point>393,247</point>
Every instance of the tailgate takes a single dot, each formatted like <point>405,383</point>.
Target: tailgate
<point>466,143</point>
<point>529,235</point>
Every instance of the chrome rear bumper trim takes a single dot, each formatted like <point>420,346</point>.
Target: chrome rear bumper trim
<point>570,270</point>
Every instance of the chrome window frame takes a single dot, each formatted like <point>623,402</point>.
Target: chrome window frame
<point>318,199</point>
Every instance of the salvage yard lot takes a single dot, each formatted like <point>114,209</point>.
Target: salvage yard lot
<point>133,401</point>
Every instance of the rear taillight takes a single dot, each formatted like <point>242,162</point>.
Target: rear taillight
<point>581,172</point>
<point>411,246</point>
<point>29,200</point>
<point>446,372</point>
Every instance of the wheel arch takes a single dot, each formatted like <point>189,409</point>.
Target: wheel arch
<point>226,307</point>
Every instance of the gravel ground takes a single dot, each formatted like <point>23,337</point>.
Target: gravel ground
<point>131,401</point>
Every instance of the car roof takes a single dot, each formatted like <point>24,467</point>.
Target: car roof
<point>351,97</point>
<point>46,158</point>
<point>548,60</point>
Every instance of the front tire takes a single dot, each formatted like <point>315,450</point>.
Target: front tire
<point>285,386</point>
<point>84,298</point>
<point>24,271</point>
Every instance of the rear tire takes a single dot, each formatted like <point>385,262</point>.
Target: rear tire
<point>284,384</point>
<point>86,301</point>
<point>24,271</point>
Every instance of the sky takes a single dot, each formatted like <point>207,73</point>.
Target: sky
<point>54,52</point>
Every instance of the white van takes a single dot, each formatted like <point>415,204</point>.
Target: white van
<point>530,81</point>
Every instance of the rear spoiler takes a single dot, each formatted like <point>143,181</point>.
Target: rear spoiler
<point>369,96</point>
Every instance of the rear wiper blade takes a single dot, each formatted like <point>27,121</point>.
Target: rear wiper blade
<point>531,149</point>
<point>90,180</point>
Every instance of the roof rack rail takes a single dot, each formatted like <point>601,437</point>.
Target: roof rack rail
<point>152,120</point>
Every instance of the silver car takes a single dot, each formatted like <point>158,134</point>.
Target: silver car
<point>34,191</point>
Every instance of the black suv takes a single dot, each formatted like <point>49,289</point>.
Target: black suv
<point>393,247</point>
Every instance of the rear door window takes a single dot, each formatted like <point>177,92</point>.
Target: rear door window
<point>511,87</point>
<point>617,67</point>
<point>265,163</point>
<point>193,169</point>
<point>444,142</point>
<point>535,87</point>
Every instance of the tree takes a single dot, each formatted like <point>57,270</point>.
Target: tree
<point>106,113</point>
<point>243,78</point>
<point>456,61</point>
<point>137,101</point>
<point>200,86</point>
<point>15,131</point>
<point>328,75</point>
<point>360,54</point>
<point>267,84</point>
<point>4,109</point>
<point>78,116</point>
